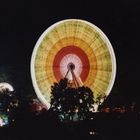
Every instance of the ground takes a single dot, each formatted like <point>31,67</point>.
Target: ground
<point>103,126</point>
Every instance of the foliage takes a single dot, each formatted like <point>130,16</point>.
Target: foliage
<point>8,101</point>
<point>71,103</point>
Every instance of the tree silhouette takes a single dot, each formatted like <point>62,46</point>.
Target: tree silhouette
<point>8,101</point>
<point>71,104</point>
<point>8,106</point>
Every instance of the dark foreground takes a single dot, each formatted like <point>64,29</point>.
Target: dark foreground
<point>104,126</point>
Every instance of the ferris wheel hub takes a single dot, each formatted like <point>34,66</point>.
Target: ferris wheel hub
<point>71,66</point>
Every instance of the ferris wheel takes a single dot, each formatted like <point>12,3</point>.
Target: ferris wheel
<point>77,46</point>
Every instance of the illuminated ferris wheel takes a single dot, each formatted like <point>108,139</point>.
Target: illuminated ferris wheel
<point>75,49</point>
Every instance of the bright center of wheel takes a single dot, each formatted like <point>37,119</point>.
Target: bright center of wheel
<point>71,58</point>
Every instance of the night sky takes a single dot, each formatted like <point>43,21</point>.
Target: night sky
<point>22,23</point>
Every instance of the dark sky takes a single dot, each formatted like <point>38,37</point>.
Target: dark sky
<point>22,22</point>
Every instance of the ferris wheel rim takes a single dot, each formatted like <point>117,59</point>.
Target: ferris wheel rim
<point>103,36</point>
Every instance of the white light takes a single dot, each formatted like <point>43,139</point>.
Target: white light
<point>95,107</point>
<point>6,86</point>
<point>76,110</point>
<point>71,58</point>
<point>1,122</point>
<point>91,109</point>
<point>92,133</point>
<point>59,107</point>
<point>80,100</point>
